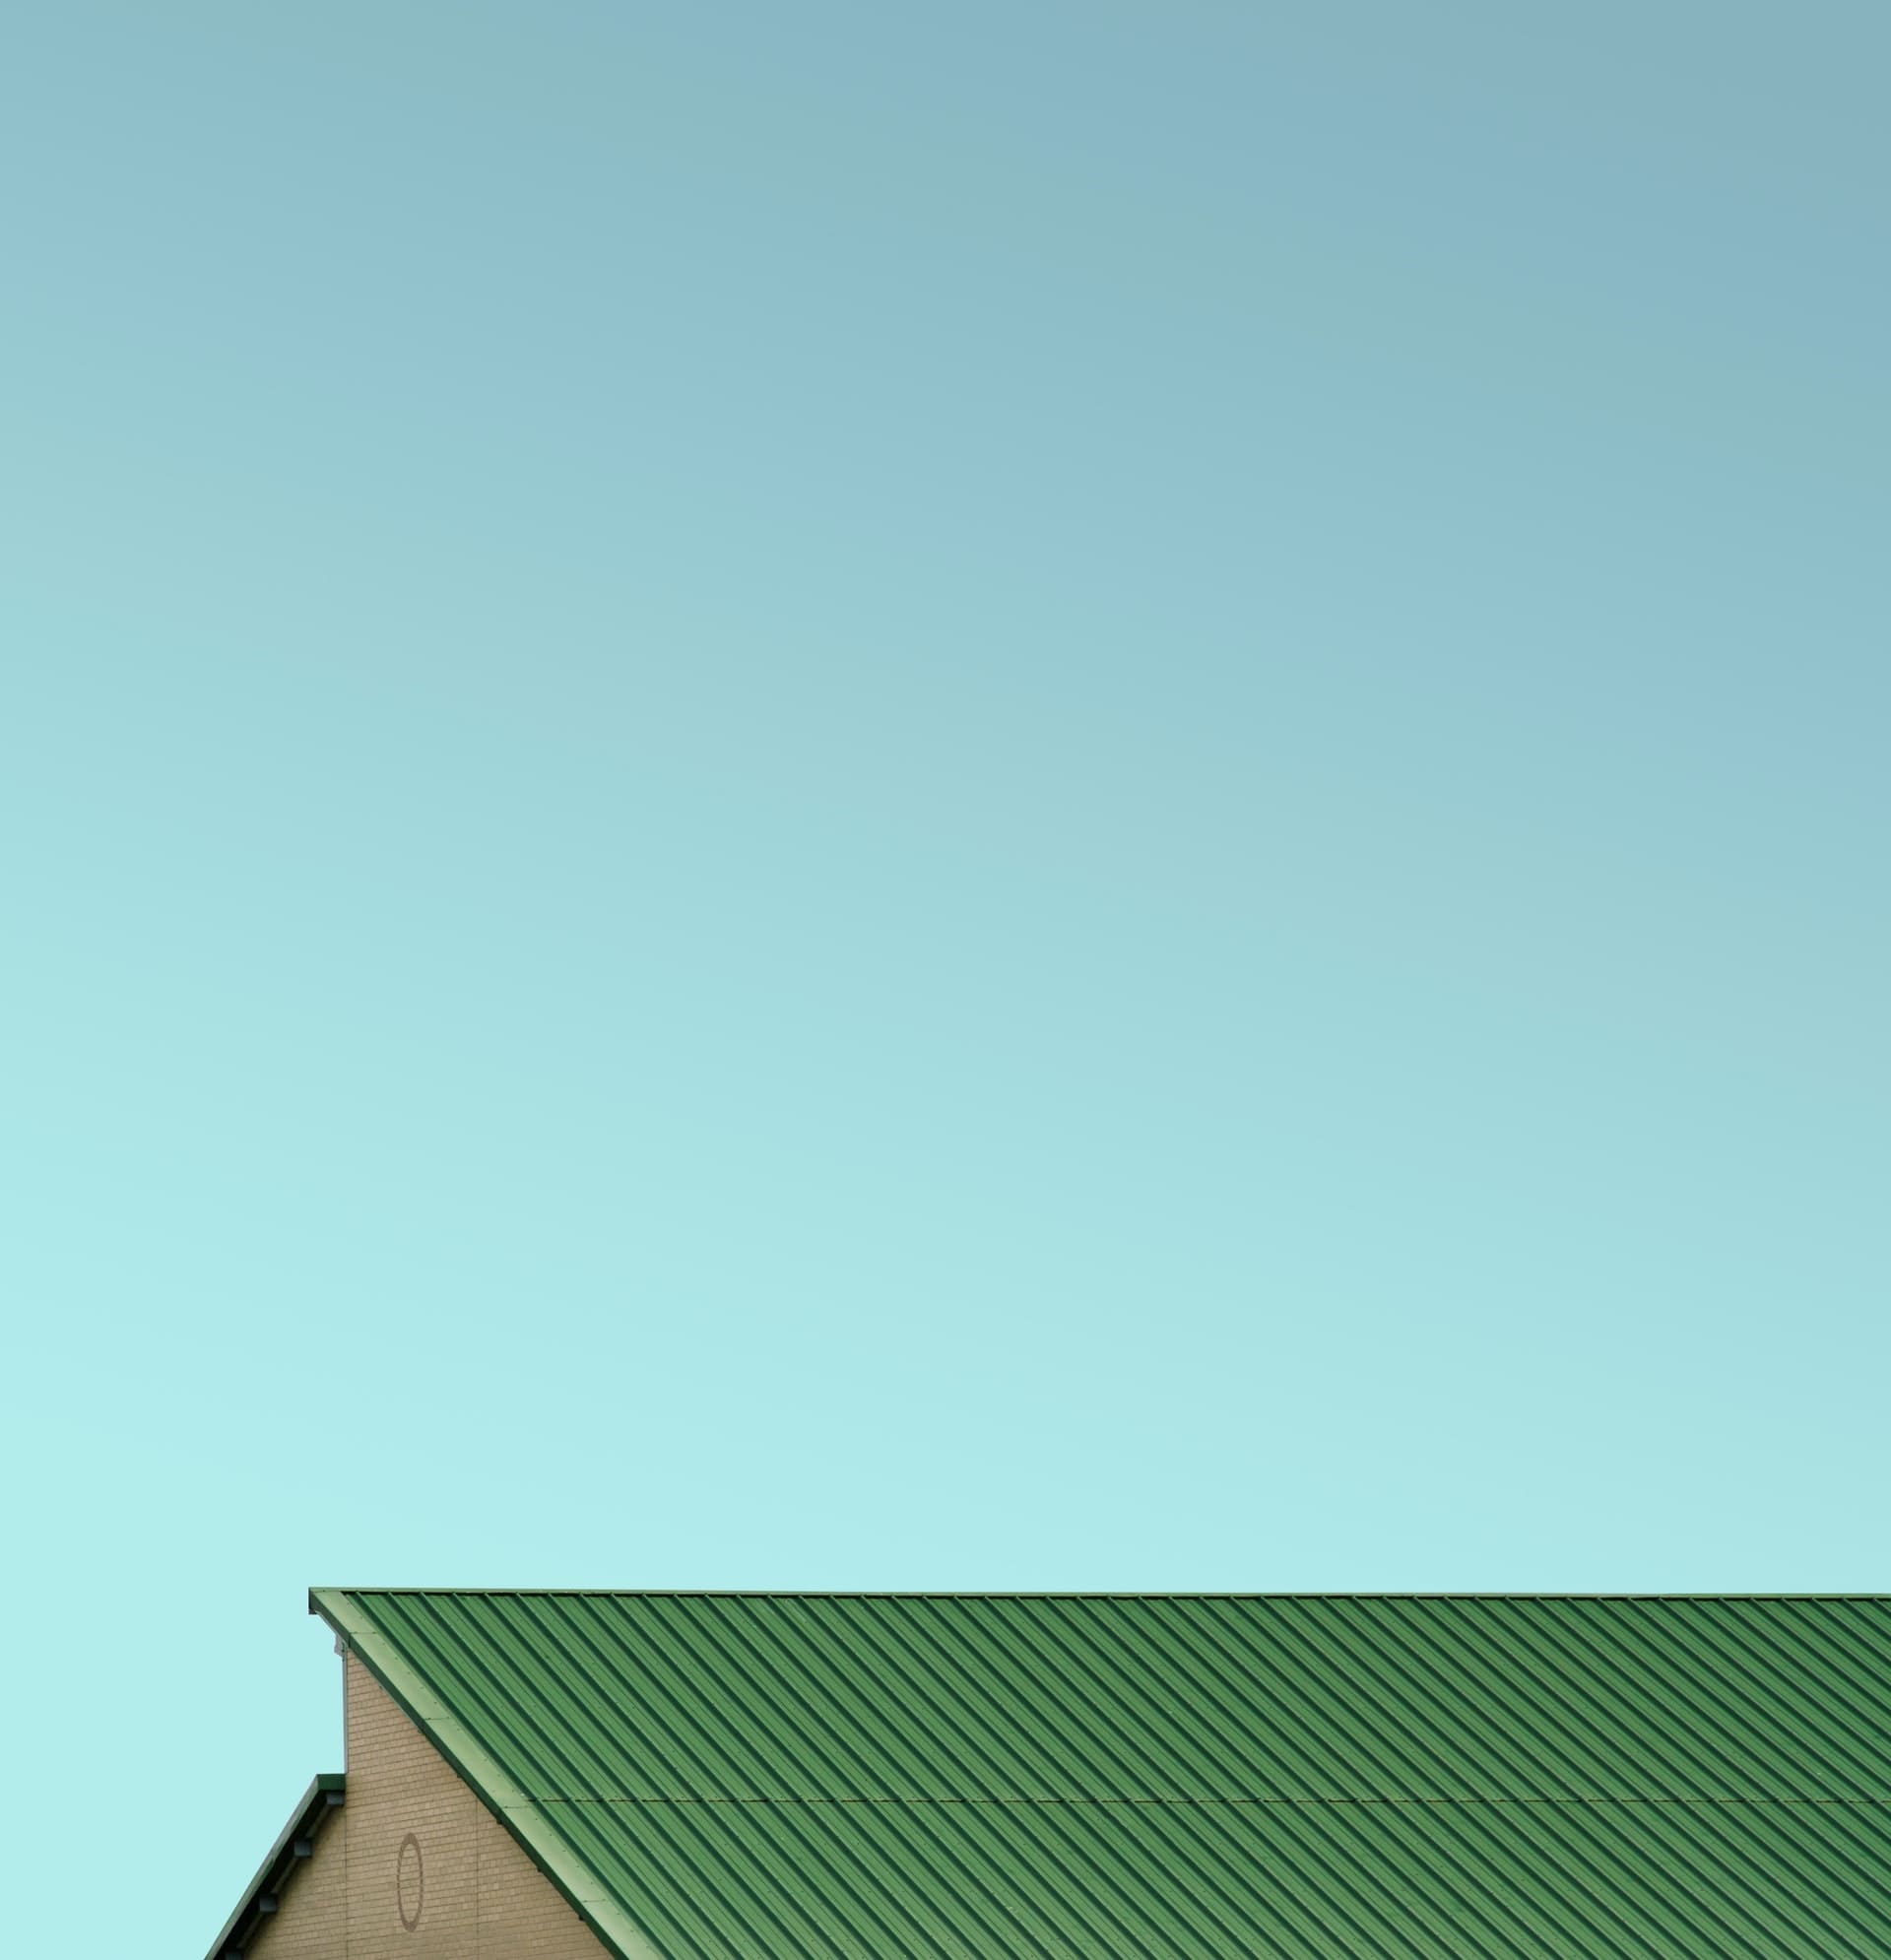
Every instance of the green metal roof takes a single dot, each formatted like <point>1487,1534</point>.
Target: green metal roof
<point>1057,1775</point>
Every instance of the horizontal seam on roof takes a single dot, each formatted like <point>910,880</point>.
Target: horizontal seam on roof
<point>1176,1803</point>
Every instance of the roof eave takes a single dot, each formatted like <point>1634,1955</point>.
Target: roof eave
<point>320,1801</point>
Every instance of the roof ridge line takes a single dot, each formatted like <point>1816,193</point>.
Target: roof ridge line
<point>897,1592</point>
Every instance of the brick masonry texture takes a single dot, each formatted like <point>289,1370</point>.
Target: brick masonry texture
<point>416,1867</point>
<point>312,1923</point>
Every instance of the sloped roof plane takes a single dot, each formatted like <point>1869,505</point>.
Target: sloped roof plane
<point>706,1776</point>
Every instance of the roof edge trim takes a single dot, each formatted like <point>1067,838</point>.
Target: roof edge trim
<point>521,1816</point>
<point>321,1796</point>
<point>898,1592</point>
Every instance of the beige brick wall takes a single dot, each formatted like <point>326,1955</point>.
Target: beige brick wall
<point>311,1923</point>
<point>416,1867</point>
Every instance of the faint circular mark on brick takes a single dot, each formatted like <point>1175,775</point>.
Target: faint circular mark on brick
<point>410,1882</point>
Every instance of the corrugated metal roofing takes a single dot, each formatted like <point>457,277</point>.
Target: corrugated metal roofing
<point>822,1775</point>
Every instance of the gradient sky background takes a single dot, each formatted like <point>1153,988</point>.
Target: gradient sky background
<point>1015,795</point>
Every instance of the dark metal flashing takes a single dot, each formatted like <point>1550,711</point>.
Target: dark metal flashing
<point>297,1844</point>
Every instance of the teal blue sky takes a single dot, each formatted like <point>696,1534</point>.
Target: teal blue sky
<point>1010,796</point>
